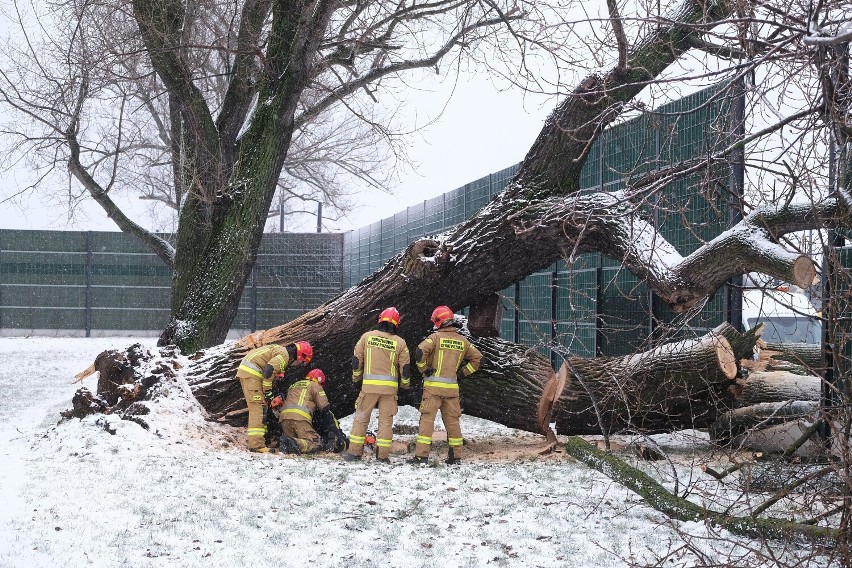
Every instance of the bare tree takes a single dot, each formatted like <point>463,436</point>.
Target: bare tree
<point>201,103</point>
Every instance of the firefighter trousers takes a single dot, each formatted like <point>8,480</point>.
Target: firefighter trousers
<point>303,432</point>
<point>450,407</point>
<point>253,392</point>
<point>364,406</point>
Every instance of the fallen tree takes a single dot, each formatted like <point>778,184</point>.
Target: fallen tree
<point>538,219</point>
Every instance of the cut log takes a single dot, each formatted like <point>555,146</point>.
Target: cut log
<point>774,386</point>
<point>674,386</point>
<point>807,355</point>
<point>736,422</point>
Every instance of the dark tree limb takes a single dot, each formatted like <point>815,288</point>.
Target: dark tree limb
<point>678,508</point>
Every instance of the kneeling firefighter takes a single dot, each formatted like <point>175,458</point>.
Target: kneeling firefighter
<point>305,402</point>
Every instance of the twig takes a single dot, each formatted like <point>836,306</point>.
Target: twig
<point>789,489</point>
<point>407,513</point>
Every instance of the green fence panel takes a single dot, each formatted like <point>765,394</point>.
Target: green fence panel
<point>110,281</point>
<point>477,195</point>
<point>575,340</point>
<point>454,211</point>
<point>43,317</point>
<point>416,223</point>
<point>434,217</point>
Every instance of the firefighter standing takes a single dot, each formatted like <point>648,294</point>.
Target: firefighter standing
<point>296,413</point>
<point>255,375</point>
<point>443,358</point>
<point>380,360</point>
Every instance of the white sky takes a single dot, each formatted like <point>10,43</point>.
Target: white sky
<point>482,130</point>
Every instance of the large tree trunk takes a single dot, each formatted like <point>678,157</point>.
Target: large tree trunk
<point>229,178</point>
<point>676,385</point>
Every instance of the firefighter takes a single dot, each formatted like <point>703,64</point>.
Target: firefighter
<point>255,374</point>
<point>296,413</point>
<point>443,358</point>
<point>382,363</point>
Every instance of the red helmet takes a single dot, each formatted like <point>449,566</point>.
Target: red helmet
<point>304,351</point>
<point>391,315</point>
<point>440,315</point>
<point>316,375</point>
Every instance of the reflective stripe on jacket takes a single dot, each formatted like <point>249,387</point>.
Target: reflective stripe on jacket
<point>445,352</point>
<point>303,399</point>
<point>381,358</point>
<point>256,360</point>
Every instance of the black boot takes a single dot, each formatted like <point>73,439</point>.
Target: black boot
<point>451,458</point>
<point>417,460</point>
<point>288,445</point>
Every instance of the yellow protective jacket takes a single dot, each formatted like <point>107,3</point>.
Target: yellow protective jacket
<point>303,398</point>
<point>441,355</point>
<point>383,361</point>
<point>255,362</point>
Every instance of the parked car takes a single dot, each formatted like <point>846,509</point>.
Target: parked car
<point>788,317</point>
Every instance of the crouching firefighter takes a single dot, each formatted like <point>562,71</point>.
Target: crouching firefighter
<point>443,358</point>
<point>255,374</point>
<point>381,363</point>
<point>296,412</point>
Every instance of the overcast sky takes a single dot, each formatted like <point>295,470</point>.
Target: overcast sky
<point>482,130</point>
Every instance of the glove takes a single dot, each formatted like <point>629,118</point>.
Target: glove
<point>460,374</point>
<point>429,372</point>
<point>276,402</point>
<point>268,395</point>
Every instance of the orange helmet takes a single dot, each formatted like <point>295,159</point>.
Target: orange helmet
<point>304,351</point>
<point>440,315</point>
<point>391,315</point>
<point>316,375</point>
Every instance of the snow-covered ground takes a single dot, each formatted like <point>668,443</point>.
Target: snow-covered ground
<point>186,493</point>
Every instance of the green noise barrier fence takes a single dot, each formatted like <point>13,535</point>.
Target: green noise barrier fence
<point>85,283</point>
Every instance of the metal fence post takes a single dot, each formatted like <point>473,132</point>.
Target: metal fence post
<point>87,317</point>
<point>734,288</point>
<point>598,322</point>
<point>554,296</point>
<point>253,300</point>
<point>839,175</point>
<point>517,329</point>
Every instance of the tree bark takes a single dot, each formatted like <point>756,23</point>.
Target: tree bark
<point>774,386</point>
<point>763,415</point>
<point>677,385</point>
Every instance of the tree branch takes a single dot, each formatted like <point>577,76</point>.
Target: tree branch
<point>681,509</point>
